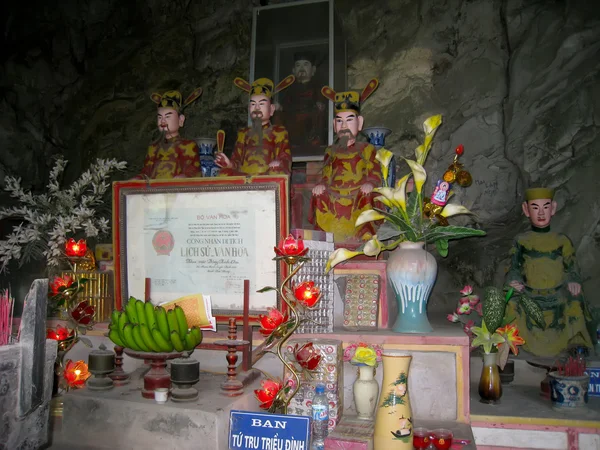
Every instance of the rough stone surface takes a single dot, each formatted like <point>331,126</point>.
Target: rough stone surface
<point>32,332</point>
<point>31,430</point>
<point>516,82</point>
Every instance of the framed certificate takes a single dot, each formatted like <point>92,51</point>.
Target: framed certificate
<point>200,236</point>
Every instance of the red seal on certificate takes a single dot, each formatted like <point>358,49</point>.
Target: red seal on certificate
<point>163,242</point>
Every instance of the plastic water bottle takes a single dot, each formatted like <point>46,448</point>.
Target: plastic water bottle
<point>320,416</point>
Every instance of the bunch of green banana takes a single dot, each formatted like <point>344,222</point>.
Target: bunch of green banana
<point>143,327</point>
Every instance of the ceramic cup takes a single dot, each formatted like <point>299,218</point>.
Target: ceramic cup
<point>161,395</point>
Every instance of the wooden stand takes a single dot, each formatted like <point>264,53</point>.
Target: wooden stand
<point>119,376</point>
<point>232,386</point>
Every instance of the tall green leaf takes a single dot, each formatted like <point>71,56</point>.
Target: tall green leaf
<point>452,232</point>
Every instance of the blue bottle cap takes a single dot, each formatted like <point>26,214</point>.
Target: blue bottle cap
<point>320,389</point>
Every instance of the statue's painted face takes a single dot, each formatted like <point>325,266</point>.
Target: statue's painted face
<point>539,211</point>
<point>303,70</point>
<point>169,121</point>
<point>260,107</point>
<point>347,124</point>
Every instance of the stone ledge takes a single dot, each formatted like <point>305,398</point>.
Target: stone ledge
<point>122,418</point>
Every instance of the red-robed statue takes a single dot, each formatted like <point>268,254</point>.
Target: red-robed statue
<point>262,149</point>
<point>350,171</point>
<point>171,156</point>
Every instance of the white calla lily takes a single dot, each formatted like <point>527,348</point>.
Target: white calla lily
<point>431,124</point>
<point>419,152</point>
<point>400,193</point>
<point>419,174</point>
<point>384,157</point>
<point>373,247</point>
<point>452,209</point>
<point>338,256</point>
<point>429,127</point>
<point>386,197</point>
<point>384,200</point>
<point>369,215</point>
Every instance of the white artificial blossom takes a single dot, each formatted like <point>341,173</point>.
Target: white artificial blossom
<point>48,219</point>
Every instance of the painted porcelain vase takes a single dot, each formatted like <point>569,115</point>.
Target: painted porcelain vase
<point>412,271</point>
<point>568,392</point>
<point>393,421</point>
<point>490,384</point>
<point>366,392</point>
<point>376,135</point>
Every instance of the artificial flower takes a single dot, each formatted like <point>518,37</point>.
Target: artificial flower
<point>452,317</point>
<point>479,309</point>
<point>373,247</point>
<point>307,293</point>
<point>365,355</point>
<point>61,283</point>
<point>453,210</point>
<point>464,300</point>
<point>271,321</point>
<point>76,249</point>
<point>307,356</point>
<point>338,256</point>
<point>467,290</point>
<point>83,313</point>
<point>468,328</point>
<point>419,174</point>
<point>510,333</point>
<point>384,157</point>
<point>369,215</point>
<point>473,299</point>
<point>268,392</point>
<point>430,126</point>
<point>400,194</point>
<point>59,333</point>
<point>75,373</point>
<point>43,220</point>
<point>291,246</point>
<point>464,308</point>
<point>486,339</point>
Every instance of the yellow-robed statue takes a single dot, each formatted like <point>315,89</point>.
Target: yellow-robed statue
<point>550,311</point>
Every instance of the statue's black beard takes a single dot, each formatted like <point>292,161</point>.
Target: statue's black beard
<point>162,137</point>
<point>256,127</point>
<point>342,140</point>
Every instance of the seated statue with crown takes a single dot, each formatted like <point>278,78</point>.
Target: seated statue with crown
<point>263,148</point>
<point>171,156</point>
<point>350,172</point>
<point>549,308</point>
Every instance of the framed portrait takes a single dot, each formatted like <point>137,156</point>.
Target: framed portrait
<point>174,238</point>
<point>284,34</point>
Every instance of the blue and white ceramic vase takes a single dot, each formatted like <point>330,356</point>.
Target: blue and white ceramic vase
<point>376,136</point>
<point>207,156</point>
<point>412,271</point>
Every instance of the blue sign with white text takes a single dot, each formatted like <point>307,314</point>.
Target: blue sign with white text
<point>594,373</point>
<point>261,431</point>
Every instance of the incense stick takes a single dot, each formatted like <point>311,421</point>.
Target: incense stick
<point>7,309</point>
